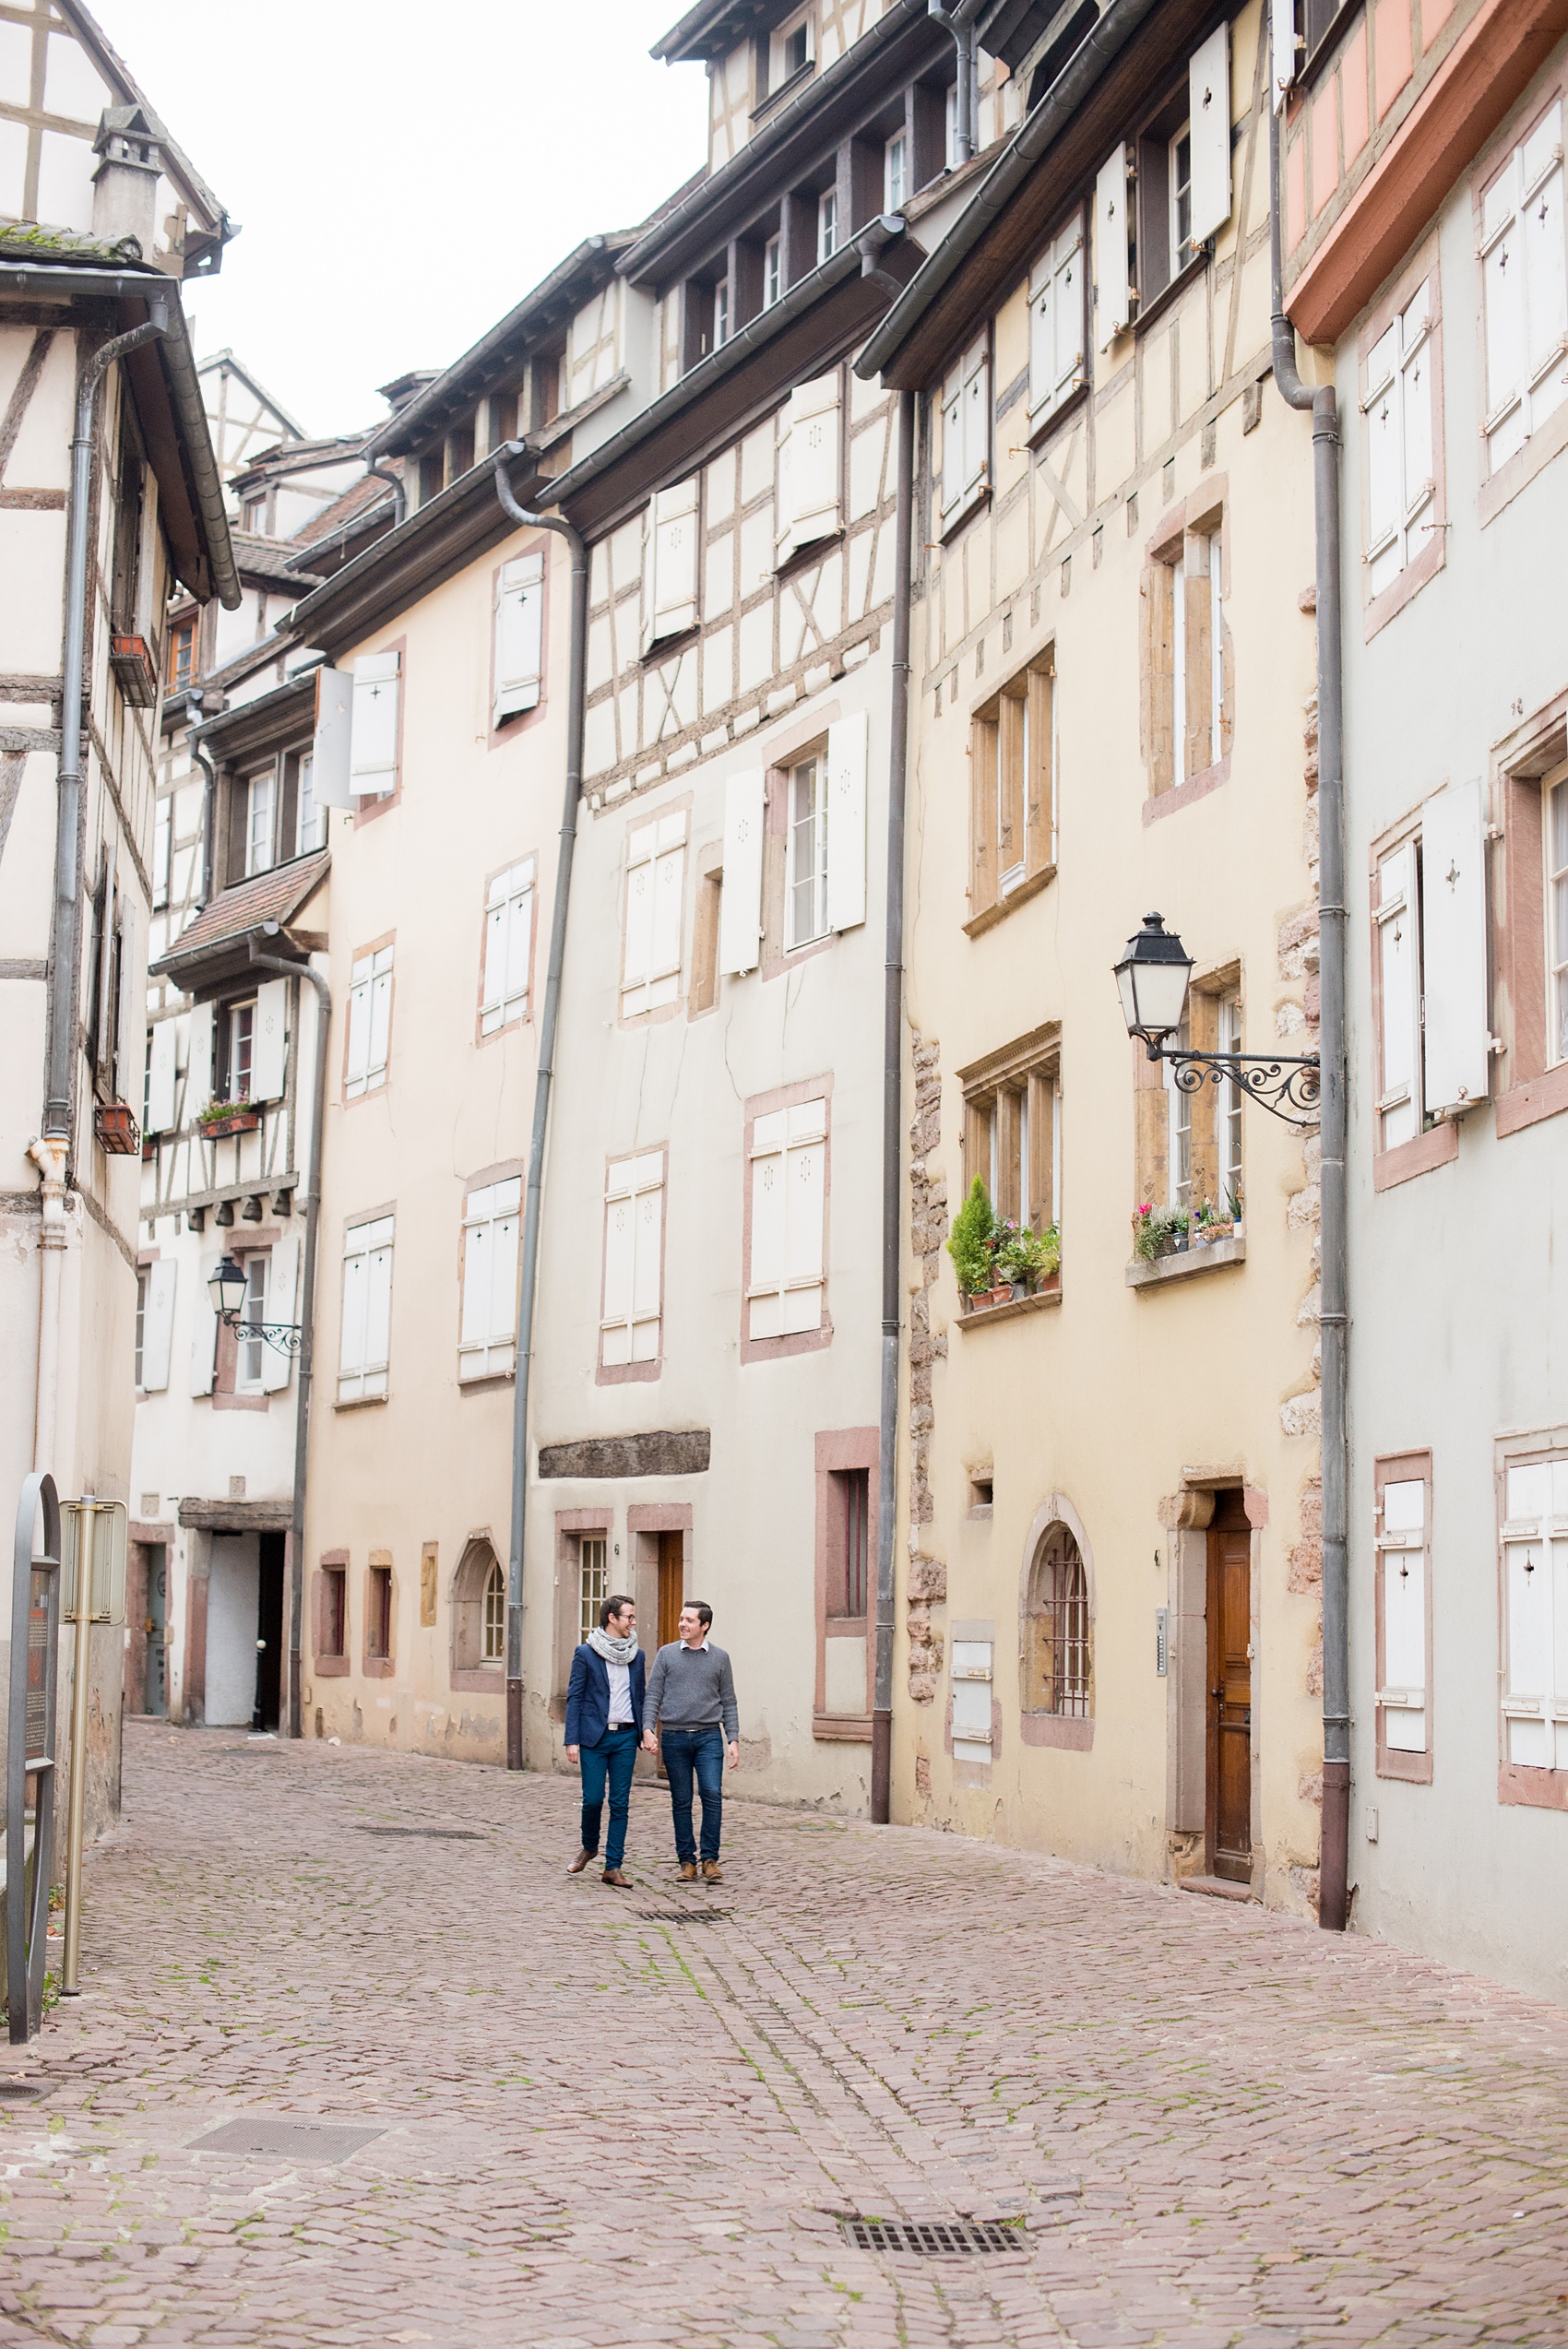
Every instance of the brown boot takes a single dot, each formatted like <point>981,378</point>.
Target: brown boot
<point>712,1872</point>
<point>688,1871</point>
<point>578,1865</point>
<point>613,1876</point>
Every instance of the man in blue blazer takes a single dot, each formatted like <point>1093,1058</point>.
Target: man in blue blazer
<point>604,1719</point>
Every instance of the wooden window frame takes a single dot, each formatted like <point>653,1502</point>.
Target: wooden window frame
<point>625,1373</point>
<point>468,1671</point>
<point>1534,760</point>
<point>842,1453</point>
<point>1377,611</point>
<point>1028,1071</point>
<point>1518,1782</point>
<point>1202,520</point>
<point>1013,792</point>
<point>1401,1467</point>
<point>762,1105</point>
<point>331,1662</point>
<point>380,1583</point>
<point>1433,1145</point>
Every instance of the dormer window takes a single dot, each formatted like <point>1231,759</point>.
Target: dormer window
<point>772,271</point>
<point>826,225</point>
<point>793,48</point>
<point>1179,165</point>
<point>895,172</point>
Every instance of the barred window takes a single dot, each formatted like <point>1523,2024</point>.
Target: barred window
<point>1056,1648</point>
<point>494,1614</point>
<point>593,1566</point>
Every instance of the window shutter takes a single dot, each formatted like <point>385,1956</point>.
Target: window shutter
<point>504,1274</point>
<point>805,1203</point>
<point>1453,942</point>
<point>977,417</point>
<point>740,904</point>
<point>620,1267</point>
<point>198,1066</point>
<point>283,1280</point>
<point>378,1316</point>
<point>1042,336</point>
<point>204,1328</point>
<point>1527,1575</point>
<point>648,1255</point>
<point>476,1268</point>
<point>519,636</point>
<point>1385,462</point>
<point>1502,298</point>
<point>1067,304</point>
<point>1546,265</point>
<point>952,445</point>
<point>1399,964</point>
<point>350,1341</point>
<point>380,1013</point>
<point>157,1325</point>
<point>672,607</point>
<point>163,1077</point>
<point>1208,96</point>
<point>358,1025</point>
<point>847,821</point>
<point>1282,47</point>
<point>638,946</point>
<point>809,466</point>
<point>1402,1695</point>
<point>269,1041</point>
<point>508,941</point>
<point>766,1277</point>
<point>668,895</point>
<point>332,749</point>
<point>1111,246</point>
<point>373,754</point>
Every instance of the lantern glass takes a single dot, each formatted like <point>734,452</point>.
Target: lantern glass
<point>227,1290</point>
<point>1152,980</point>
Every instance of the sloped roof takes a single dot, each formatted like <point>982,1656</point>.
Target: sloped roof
<point>176,162</point>
<point>236,913</point>
<point>264,558</point>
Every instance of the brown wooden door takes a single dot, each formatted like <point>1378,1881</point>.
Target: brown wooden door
<point>672,1577</point>
<point>1229,1821</point>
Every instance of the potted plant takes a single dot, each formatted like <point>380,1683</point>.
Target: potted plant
<point>971,1243</point>
<point>1026,1258</point>
<point>1233,1201</point>
<point>1159,1231</point>
<point>228,1117</point>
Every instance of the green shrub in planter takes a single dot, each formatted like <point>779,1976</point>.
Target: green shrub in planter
<point>971,1242</point>
<point>1028,1256</point>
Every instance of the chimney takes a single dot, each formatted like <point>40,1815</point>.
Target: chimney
<point>124,186</point>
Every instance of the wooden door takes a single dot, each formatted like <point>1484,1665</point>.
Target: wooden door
<point>672,1581</point>
<point>1230,1808</point>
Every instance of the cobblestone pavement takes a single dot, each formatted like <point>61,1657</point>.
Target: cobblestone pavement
<point>595,2127</point>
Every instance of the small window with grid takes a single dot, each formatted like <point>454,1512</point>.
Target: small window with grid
<point>494,1640</point>
<point>1056,1645</point>
<point>593,1580</point>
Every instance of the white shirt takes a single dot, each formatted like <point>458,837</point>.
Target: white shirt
<point>620,1694</point>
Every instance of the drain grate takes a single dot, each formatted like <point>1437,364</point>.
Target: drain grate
<point>291,2141</point>
<point>432,1834</point>
<point>19,2091</point>
<point>933,2238</point>
<point>683,1916</point>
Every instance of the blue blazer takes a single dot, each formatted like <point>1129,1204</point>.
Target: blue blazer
<point>588,1696</point>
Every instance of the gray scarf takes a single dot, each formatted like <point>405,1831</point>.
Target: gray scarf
<point>613,1650</point>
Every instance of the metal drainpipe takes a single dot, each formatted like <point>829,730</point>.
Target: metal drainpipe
<point>400,495</point>
<point>892,1124</point>
<point>960,23</point>
<point>1334,1861</point>
<point>541,1084</point>
<point>208,805</point>
<point>307,1319</point>
<point>62,999</point>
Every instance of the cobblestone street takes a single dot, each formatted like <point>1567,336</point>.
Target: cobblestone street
<point>594,2126</point>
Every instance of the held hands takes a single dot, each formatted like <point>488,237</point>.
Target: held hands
<point>651,1743</point>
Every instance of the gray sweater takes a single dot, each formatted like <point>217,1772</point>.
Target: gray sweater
<point>692,1688</point>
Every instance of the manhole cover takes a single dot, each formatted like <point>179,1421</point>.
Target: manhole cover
<point>292,2141</point>
<point>683,1916</point>
<point>434,1835</point>
<point>933,2238</point>
<point>19,2091</point>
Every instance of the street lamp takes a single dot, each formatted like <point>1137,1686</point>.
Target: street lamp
<point>228,1288</point>
<point>1153,977</point>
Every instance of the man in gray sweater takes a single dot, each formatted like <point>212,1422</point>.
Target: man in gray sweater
<point>691,1693</point>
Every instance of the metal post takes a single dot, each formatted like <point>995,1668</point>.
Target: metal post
<point>76,1809</point>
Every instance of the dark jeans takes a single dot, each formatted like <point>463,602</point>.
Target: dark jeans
<point>611,1758</point>
<point>701,1750</point>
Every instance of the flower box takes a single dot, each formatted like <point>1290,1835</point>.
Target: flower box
<point>244,1120</point>
<point>131,660</point>
<point>117,1129</point>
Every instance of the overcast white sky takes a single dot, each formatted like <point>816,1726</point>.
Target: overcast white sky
<point>403,174</point>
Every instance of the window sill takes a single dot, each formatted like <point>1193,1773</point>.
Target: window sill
<point>331,1667</point>
<point>670,648</point>
<point>1069,1732</point>
<point>810,550</point>
<point>1417,1157</point>
<point>1517,1782</point>
<point>971,504</point>
<point>1170,295</point>
<point>842,1729</point>
<point>363,1403</point>
<point>1536,1097</point>
<point>1042,1299</point>
<point>776,97</point>
<point>1189,1260</point>
<point>1044,424</point>
<point>1177,796</point>
<point>988,916</point>
<point>378,1668</point>
<point>487,1384</point>
<point>479,1679</point>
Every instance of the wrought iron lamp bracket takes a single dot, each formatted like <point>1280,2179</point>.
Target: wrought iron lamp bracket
<point>282,1337</point>
<point>1277,1082</point>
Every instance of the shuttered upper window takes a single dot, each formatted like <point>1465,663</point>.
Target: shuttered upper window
<point>655,868</point>
<point>1403,1489</point>
<point>1400,442</point>
<point>966,435</point>
<point>364,1345</point>
<point>519,637</point>
<point>1525,289</point>
<point>670,537</point>
<point>508,947</point>
<point>809,496</point>
<point>631,1309</point>
<point>1056,322</point>
<point>1535,1587</point>
<point>488,1344</point>
<point>1434,1045</point>
<point>373,740</point>
<point>370,1023</point>
<point>788,1201</point>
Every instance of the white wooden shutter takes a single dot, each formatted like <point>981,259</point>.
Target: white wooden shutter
<point>1042,336</point>
<point>488,1343</point>
<point>638,941</point>
<point>977,417</point>
<point>847,821</point>
<point>365,1341</point>
<point>199,1064</point>
<point>1418,421</point>
<point>655,867</point>
<point>158,1324</point>
<point>1399,969</point>
<point>370,1021</point>
<point>809,467</point>
<point>269,1040</point>
<point>282,1280</point>
<point>507,1228</point>
<point>1385,462</point>
<point>204,1328</point>
<point>373,764</point>
<point>332,749</point>
<point>1502,301</point>
<point>740,902</point>
<point>669,563</point>
<point>1111,246</point>
<point>952,444</point>
<point>805,1209</point>
<point>1068,271</point>
<point>1454,958</point>
<point>620,1263</point>
<point>1530,1679</point>
<point>508,945</point>
<point>1403,1552</point>
<point>163,1077</point>
<point>648,1260</point>
<point>1546,266</point>
<point>1208,97</point>
<point>633,1237</point>
<point>765,1276</point>
<point>477,1239</point>
<point>1282,48</point>
<point>519,636</point>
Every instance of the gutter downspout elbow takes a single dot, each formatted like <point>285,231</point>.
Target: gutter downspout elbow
<point>307,1323</point>
<point>870,243</point>
<point>400,495</point>
<point>959,21</point>
<point>1334,1857</point>
<point>549,1020</point>
<point>892,1123</point>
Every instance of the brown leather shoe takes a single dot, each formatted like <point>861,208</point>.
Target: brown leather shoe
<point>712,1872</point>
<point>578,1865</point>
<point>688,1871</point>
<point>613,1876</point>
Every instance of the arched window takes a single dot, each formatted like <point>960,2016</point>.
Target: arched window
<point>1056,1632</point>
<point>495,1613</point>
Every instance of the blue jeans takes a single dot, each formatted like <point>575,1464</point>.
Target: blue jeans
<point>701,1750</point>
<point>611,1758</point>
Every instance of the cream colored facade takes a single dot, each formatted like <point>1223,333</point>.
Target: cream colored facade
<point>1107,1419</point>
